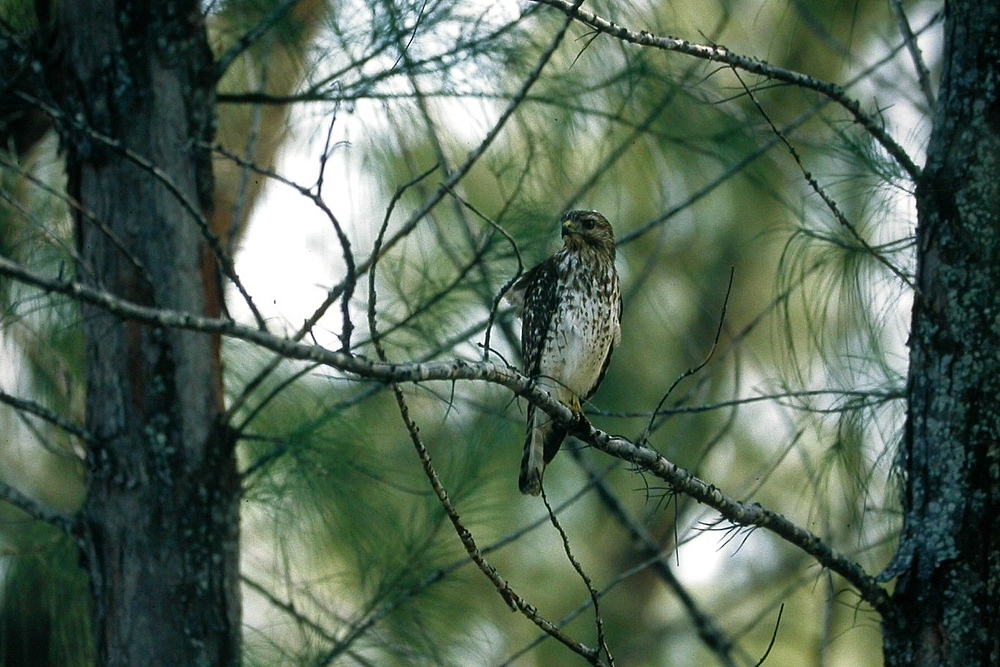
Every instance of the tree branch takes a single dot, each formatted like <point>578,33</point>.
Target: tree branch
<point>222,256</point>
<point>739,513</point>
<point>42,412</point>
<point>734,511</point>
<point>723,55</point>
<point>38,510</point>
<point>910,39</point>
<point>710,634</point>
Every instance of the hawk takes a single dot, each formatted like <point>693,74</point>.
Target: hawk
<point>570,308</point>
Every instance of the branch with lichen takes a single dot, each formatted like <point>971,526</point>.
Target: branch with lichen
<point>37,510</point>
<point>650,461</point>
<point>721,54</point>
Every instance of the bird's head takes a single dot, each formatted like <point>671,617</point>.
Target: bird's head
<point>587,228</point>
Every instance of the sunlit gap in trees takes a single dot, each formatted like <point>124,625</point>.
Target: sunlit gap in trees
<point>289,256</point>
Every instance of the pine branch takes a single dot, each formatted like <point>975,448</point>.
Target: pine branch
<point>723,55</point>
<point>736,512</point>
<point>710,634</point>
<point>910,39</point>
<point>222,256</point>
<point>42,412</point>
<point>37,510</point>
<point>682,481</point>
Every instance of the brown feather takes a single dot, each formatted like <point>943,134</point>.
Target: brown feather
<point>570,307</point>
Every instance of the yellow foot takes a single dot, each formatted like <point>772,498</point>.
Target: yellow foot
<point>577,409</point>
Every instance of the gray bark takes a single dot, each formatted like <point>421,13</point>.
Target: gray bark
<point>947,599</point>
<point>160,523</point>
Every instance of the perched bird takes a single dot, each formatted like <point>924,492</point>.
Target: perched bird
<point>570,308</point>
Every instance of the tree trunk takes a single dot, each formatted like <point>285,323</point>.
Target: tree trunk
<point>160,522</point>
<point>947,597</point>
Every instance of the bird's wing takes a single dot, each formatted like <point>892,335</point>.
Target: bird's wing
<point>515,295</point>
<point>540,290</point>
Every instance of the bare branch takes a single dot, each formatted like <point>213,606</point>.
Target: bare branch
<point>37,510</point>
<point>923,74</point>
<point>54,418</point>
<point>222,256</point>
<point>734,511</point>
<point>723,55</point>
<point>595,597</point>
<point>649,460</point>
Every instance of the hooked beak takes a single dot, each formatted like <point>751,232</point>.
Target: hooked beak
<point>568,227</point>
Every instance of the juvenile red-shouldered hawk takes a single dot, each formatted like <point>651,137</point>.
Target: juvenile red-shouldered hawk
<point>570,308</point>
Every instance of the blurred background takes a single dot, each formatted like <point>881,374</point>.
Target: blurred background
<point>763,336</point>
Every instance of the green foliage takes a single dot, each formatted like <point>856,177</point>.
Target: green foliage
<point>349,557</point>
<point>44,613</point>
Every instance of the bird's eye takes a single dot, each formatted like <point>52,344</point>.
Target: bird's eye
<point>588,223</point>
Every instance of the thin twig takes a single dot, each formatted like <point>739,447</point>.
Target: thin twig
<point>818,189</point>
<point>723,55</point>
<point>251,36</point>
<point>506,286</point>
<point>774,636</point>
<point>859,398</point>
<point>594,596</point>
<point>923,74</point>
<point>694,369</point>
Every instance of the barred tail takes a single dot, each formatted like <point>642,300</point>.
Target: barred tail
<point>540,446</point>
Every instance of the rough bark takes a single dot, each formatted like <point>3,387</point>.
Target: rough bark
<point>160,522</point>
<point>947,595</point>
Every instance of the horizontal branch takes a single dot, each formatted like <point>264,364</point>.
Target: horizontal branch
<point>739,513</point>
<point>359,365</point>
<point>723,55</point>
